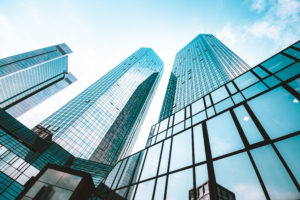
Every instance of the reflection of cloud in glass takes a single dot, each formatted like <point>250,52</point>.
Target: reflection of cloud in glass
<point>248,192</point>
<point>295,101</point>
<point>246,118</point>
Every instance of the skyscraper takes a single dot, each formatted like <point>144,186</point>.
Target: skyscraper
<point>200,67</point>
<point>239,140</point>
<point>28,79</point>
<point>102,122</point>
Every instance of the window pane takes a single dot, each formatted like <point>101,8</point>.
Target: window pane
<point>171,121</point>
<point>161,136</point>
<point>271,81</point>
<point>254,90</point>
<point>197,106</point>
<point>177,128</point>
<point>199,117</point>
<point>179,116</point>
<point>247,124</point>
<point>274,175</point>
<point>187,112</point>
<point>163,125</point>
<point>181,155</point>
<point>210,112</point>
<point>245,80</point>
<point>131,192</point>
<point>163,166</point>
<point>289,72</point>
<point>219,94</point>
<point>110,178</point>
<point>145,190</point>
<point>237,98</point>
<point>129,169</point>
<point>236,174</point>
<point>293,52</point>
<point>188,123</point>
<point>260,72</point>
<point>201,175</point>
<point>277,62</point>
<point>160,188</point>
<point>223,135</point>
<point>289,149</point>
<point>119,174</point>
<point>231,88</point>
<point>151,162</point>
<point>179,184</point>
<point>199,144</point>
<point>138,167</point>
<point>227,103</point>
<point>207,101</point>
<point>295,84</point>
<point>277,111</point>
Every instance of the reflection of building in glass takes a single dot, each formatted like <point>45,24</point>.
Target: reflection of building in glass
<point>102,122</point>
<point>28,79</point>
<point>243,135</point>
<point>202,193</point>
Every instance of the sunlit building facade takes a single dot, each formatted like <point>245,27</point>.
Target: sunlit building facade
<point>102,122</point>
<point>241,140</point>
<point>29,78</point>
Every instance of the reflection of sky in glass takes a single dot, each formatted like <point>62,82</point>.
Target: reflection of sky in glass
<point>277,62</point>
<point>201,174</point>
<point>163,166</point>
<point>289,72</point>
<point>160,188</point>
<point>179,184</point>
<point>237,174</point>
<point>295,84</point>
<point>276,179</point>
<point>245,80</point>
<point>223,135</point>
<point>289,149</point>
<point>144,190</point>
<point>219,94</point>
<point>199,150</point>
<point>277,112</point>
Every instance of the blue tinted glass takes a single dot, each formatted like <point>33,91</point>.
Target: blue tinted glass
<point>295,84</point>
<point>271,81</point>
<point>181,154</point>
<point>277,62</point>
<point>289,72</point>
<point>160,188</point>
<point>293,52</point>
<point>161,136</point>
<point>199,117</point>
<point>219,94</point>
<point>197,106</point>
<point>201,175</point>
<point>145,190</point>
<point>169,132</point>
<point>223,135</point>
<point>297,45</point>
<point>289,149</point>
<point>231,88</point>
<point>199,150</point>
<point>138,166</point>
<point>223,105</point>
<point>273,173</point>
<point>188,123</point>
<point>207,101</point>
<point>187,112</point>
<point>179,116</point>
<point>163,166</point>
<point>236,174</point>
<point>119,174</point>
<point>247,124</point>
<point>129,169</point>
<point>260,72</point>
<point>163,125</point>
<point>179,184</point>
<point>245,80</point>
<point>254,90</point>
<point>237,98</point>
<point>177,128</point>
<point>210,112</point>
<point>151,162</point>
<point>278,111</point>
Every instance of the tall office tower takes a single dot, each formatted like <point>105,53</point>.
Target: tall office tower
<point>28,79</point>
<point>200,67</point>
<point>239,141</point>
<point>102,122</point>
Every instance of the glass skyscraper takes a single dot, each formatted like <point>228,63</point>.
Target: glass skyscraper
<point>102,122</point>
<point>200,67</point>
<point>238,140</point>
<point>28,79</point>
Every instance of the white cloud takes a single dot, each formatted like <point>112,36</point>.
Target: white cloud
<point>258,5</point>
<point>3,22</point>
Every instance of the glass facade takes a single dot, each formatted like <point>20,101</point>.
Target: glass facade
<point>102,122</point>
<point>199,68</point>
<point>239,141</point>
<point>29,78</point>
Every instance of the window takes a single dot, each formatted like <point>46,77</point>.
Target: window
<point>245,80</point>
<point>277,62</point>
<point>219,94</point>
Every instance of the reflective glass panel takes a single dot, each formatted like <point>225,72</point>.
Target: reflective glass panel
<point>271,81</point>
<point>131,192</point>
<point>289,150</point>
<point>163,125</point>
<point>160,188</point>
<point>177,128</point>
<point>161,136</point>
<point>207,101</point>
<point>163,166</point>
<point>151,162</point>
<point>245,80</point>
<point>197,106</point>
<point>231,88</point>
<point>187,112</point>
<point>171,121</point>
<point>169,132</point>
<point>219,94</point>
<point>227,103</point>
<point>210,112</point>
<point>201,175</point>
<point>188,123</point>
<point>277,62</point>
<point>289,72</point>
<point>293,52</point>
<point>181,155</point>
<point>119,174</point>
<point>179,184</point>
<point>129,169</point>
<point>260,72</point>
<point>236,174</point>
<point>295,84</point>
<point>223,135</point>
<point>199,144</point>
<point>276,179</point>
<point>179,116</point>
<point>138,166</point>
<point>199,117</point>
<point>247,124</point>
<point>278,111</point>
<point>144,190</point>
<point>237,98</point>
<point>254,90</point>
<point>297,45</point>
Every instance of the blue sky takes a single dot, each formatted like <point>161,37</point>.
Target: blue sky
<point>103,33</point>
